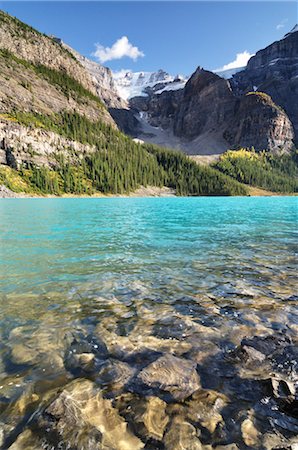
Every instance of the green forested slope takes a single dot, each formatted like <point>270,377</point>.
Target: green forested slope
<point>276,173</point>
<point>118,165</point>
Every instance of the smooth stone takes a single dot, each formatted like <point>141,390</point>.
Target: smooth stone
<point>250,434</point>
<point>182,435</point>
<point>82,418</point>
<point>115,374</point>
<point>155,418</point>
<point>84,362</point>
<point>205,407</point>
<point>168,373</point>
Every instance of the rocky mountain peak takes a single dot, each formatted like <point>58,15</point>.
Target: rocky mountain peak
<point>199,80</point>
<point>293,30</point>
<point>274,70</point>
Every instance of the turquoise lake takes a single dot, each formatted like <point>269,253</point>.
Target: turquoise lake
<point>189,277</point>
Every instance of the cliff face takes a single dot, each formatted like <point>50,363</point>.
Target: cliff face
<point>274,70</point>
<point>102,80</point>
<point>20,145</point>
<point>38,75</point>
<point>207,104</point>
<point>258,119</point>
<point>34,93</point>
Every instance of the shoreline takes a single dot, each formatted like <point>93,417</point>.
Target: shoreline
<point>142,192</point>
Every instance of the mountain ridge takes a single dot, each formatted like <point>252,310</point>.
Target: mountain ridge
<point>60,130</point>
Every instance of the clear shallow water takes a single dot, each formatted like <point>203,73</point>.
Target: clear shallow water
<point>185,276</point>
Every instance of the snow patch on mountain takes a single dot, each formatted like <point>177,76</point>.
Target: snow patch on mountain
<point>133,84</point>
<point>228,73</point>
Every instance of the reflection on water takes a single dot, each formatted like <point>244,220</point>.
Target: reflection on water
<point>148,323</point>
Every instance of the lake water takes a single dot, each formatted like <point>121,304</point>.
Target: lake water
<point>126,282</point>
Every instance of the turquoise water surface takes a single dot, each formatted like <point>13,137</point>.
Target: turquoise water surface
<point>185,276</point>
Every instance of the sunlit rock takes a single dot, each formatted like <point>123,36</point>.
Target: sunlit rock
<point>26,440</point>
<point>205,406</point>
<point>155,418</point>
<point>182,435</point>
<point>81,418</point>
<point>170,374</point>
<point>250,434</point>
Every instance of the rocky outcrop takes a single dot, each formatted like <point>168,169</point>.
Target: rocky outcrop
<point>7,193</point>
<point>258,120</point>
<point>207,104</point>
<point>159,109</point>
<point>37,146</point>
<point>274,70</point>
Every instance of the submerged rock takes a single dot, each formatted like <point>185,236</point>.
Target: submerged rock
<point>155,418</point>
<point>205,407</point>
<point>258,348</point>
<point>27,440</point>
<point>114,374</point>
<point>137,342</point>
<point>42,348</point>
<point>81,418</point>
<point>170,374</point>
<point>80,363</point>
<point>182,435</point>
<point>250,434</point>
<point>147,416</point>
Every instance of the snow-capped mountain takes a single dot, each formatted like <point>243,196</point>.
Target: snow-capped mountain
<point>133,84</point>
<point>136,84</point>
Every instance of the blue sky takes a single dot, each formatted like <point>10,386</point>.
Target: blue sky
<point>175,36</point>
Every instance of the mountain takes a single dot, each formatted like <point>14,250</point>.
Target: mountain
<point>215,112</point>
<point>133,84</point>
<point>102,79</point>
<point>274,70</point>
<point>60,121</point>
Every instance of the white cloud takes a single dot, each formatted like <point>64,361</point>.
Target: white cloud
<point>281,24</point>
<point>240,61</point>
<point>122,47</point>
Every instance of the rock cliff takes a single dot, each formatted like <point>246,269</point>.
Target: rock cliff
<point>274,70</point>
<point>22,146</point>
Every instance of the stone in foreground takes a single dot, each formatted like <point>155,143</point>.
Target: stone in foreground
<point>174,375</point>
<point>81,418</point>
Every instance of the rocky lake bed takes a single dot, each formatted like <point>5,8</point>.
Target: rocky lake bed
<point>190,349</point>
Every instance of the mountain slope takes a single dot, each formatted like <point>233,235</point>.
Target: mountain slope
<point>56,135</point>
